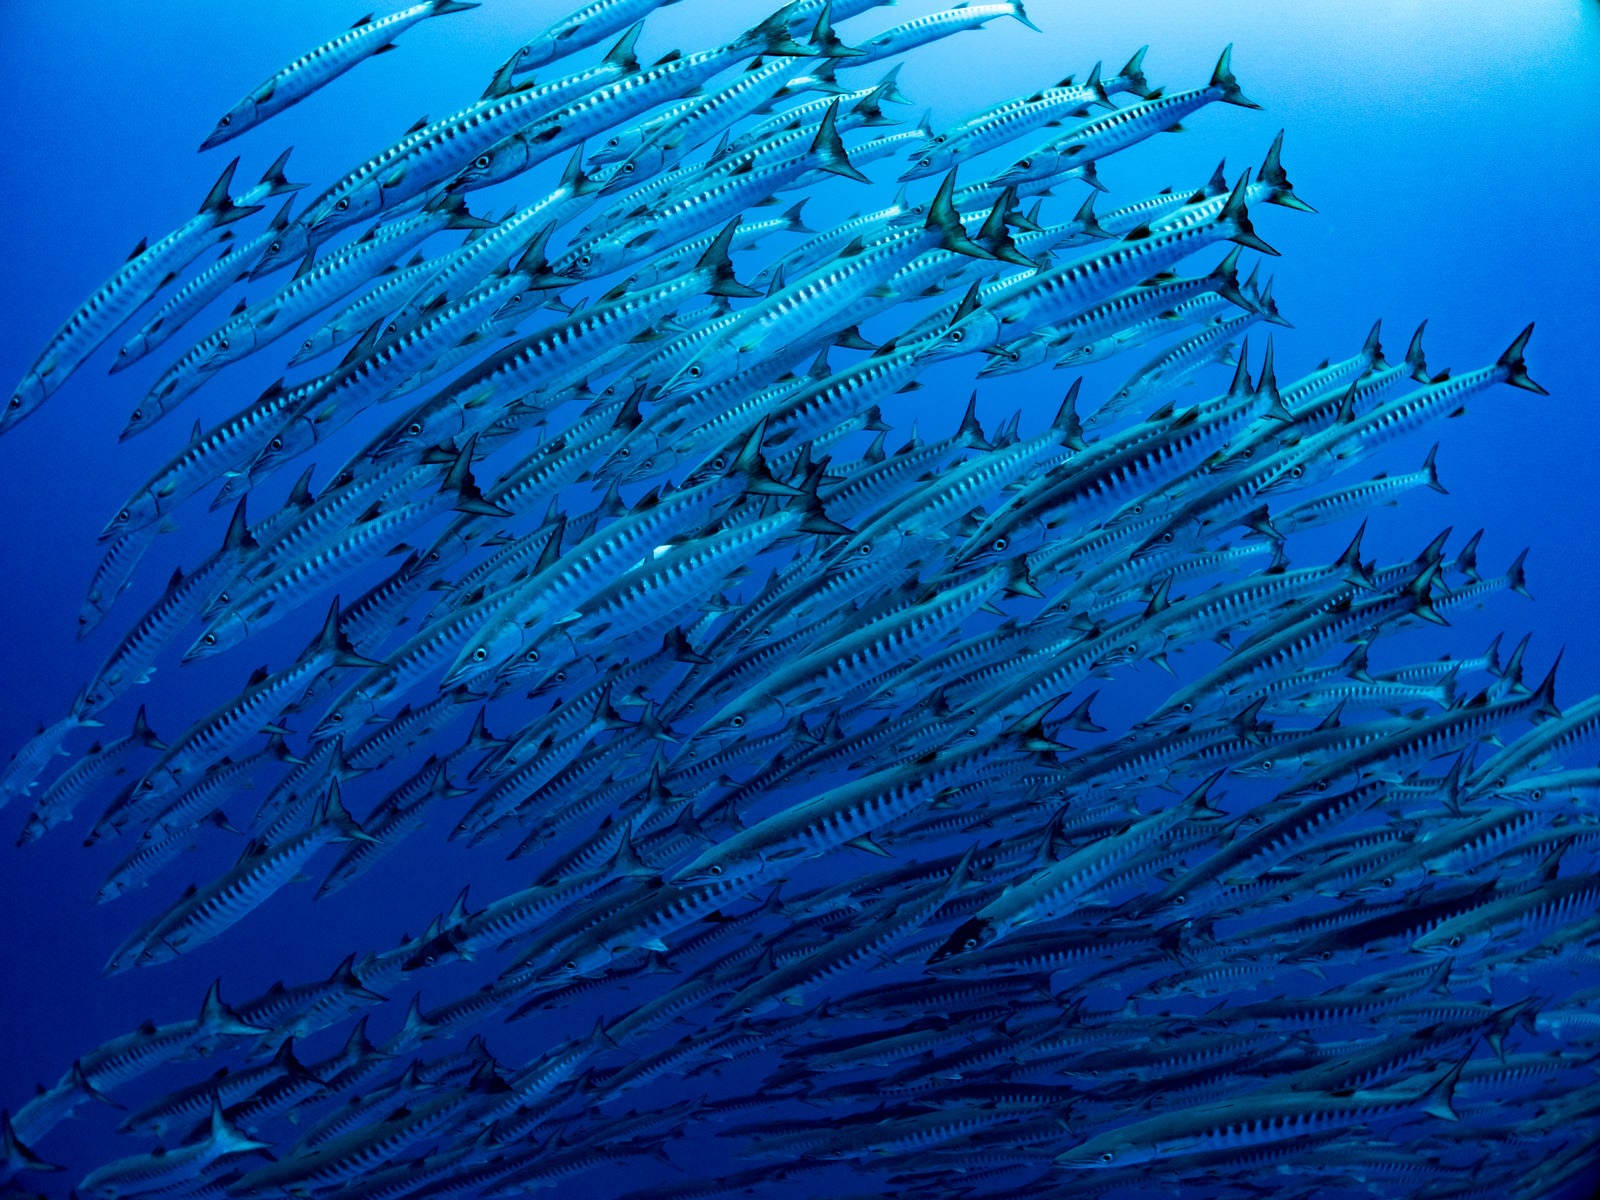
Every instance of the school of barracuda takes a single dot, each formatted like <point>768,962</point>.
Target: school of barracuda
<point>636,585</point>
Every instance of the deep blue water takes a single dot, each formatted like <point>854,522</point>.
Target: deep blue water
<point>1447,149</point>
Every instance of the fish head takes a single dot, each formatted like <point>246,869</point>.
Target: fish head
<point>233,341</point>
<point>1102,1153</point>
<point>577,672</point>
<point>291,243</point>
<point>970,935</point>
<point>636,460</point>
<point>25,397</point>
<point>141,510</point>
<point>744,717</point>
<point>868,546</point>
<point>341,210</point>
<point>498,163</point>
<point>1021,355</point>
<point>500,642</point>
<point>351,713</point>
<point>549,656</point>
<point>934,160</point>
<point>131,351</point>
<point>646,162</point>
<point>1003,536</point>
<point>232,123</point>
<point>720,867</point>
<point>537,53</point>
<point>295,438</point>
<point>977,332</point>
<point>616,148</point>
<point>1446,941</point>
<point>226,632</point>
<point>1040,165</point>
<point>149,410</point>
<point>715,362</point>
<point>318,344</point>
<point>582,962</point>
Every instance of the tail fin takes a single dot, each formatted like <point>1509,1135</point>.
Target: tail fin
<point>14,1155</point>
<point>772,37</point>
<point>1273,175</point>
<point>336,645</point>
<point>1068,428</point>
<point>970,433</point>
<point>1431,468</point>
<point>1223,78</point>
<point>1132,74</point>
<point>1516,577</point>
<point>1235,214</point>
<point>946,222</point>
<point>749,464</point>
<point>995,239</point>
<point>444,7</point>
<point>825,42</point>
<point>1224,280</point>
<point>458,481</point>
<point>1516,370</point>
<point>1415,361</point>
<point>274,179</point>
<point>716,261</point>
<point>220,204</point>
<point>828,150</point>
<point>1089,224</point>
<point>1020,14</point>
<point>458,217</point>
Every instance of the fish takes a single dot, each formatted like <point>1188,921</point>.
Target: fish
<point>320,66</point>
<point>990,804</point>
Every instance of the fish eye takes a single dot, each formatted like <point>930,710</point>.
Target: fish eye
<point>696,371</point>
<point>1387,881</point>
<point>1267,765</point>
<point>274,249</point>
<point>481,162</point>
<point>627,168</point>
<point>343,204</point>
<point>1026,163</point>
<point>561,676</point>
<point>275,444</point>
<point>1186,707</point>
<point>533,656</point>
<point>1297,471</point>
<point>1322,785</point>
<point>16,402</point>
<point>1107,1157</point>
<point>737,722</point>
<point>1455,941</point>
<point>924,162</point>
<point>717,463</point>
<point>414,429</point>
<point>122,517</point>
<point>571,965</point>
<point>1536,794</point>
<point>138,413</point>
<point>956,335</point>
<point>479,654</point>
<point>223,598</point>
<point>210,639</point>
<point>1326,955</point>
<point>1166,537</point>
<point>714,869</point>
<point>336,718</point>
<point>225,121</point>
<point>613,142</point>
<point>867,549</point>
<point>433,557</point>
<point>1000,543</point>
<point>584,260</point>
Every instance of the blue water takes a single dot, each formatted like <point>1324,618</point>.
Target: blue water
<point>1447,148</point>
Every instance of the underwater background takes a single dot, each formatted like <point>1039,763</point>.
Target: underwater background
<point>1448,150</point>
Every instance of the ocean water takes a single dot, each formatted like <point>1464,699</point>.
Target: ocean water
<point>1446,149</point>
